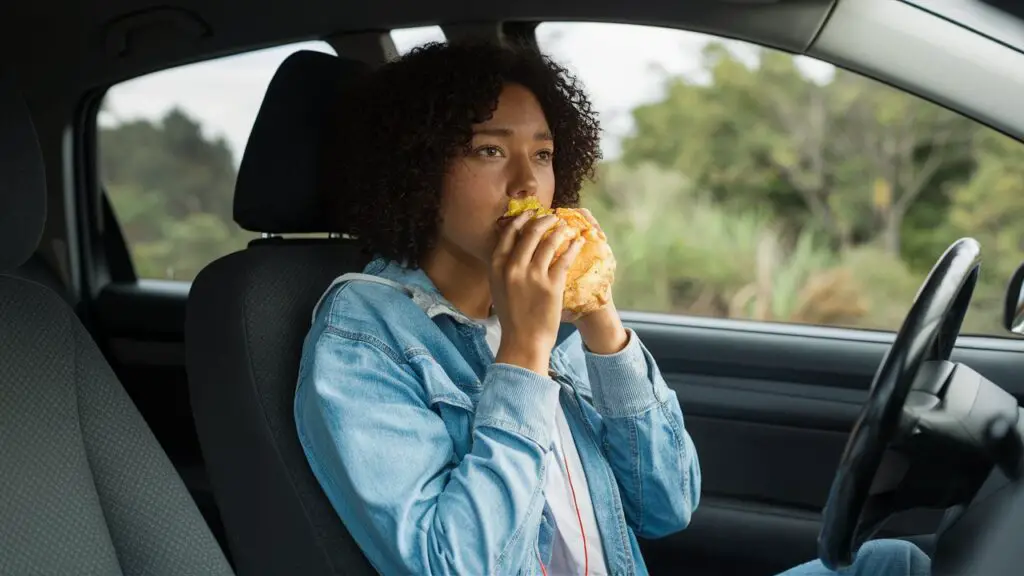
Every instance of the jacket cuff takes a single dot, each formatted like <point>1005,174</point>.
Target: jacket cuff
<point>519,401</point>
<point>626,383</point>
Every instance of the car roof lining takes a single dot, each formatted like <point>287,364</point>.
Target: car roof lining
<point>930,56</point>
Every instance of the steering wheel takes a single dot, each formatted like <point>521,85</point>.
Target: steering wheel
<point>928,333</point>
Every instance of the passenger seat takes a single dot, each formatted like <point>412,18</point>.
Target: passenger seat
<point>35,269</point>
<point>84,486</point>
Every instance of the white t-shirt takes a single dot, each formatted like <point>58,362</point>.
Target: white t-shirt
<point>563,478</point>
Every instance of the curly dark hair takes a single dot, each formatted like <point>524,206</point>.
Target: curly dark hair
<point>412,116</point>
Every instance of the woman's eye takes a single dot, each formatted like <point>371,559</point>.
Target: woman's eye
<point>545,155</point>
<point>489,151</point>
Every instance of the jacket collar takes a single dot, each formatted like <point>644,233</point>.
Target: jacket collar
<point>425,294</point>
<point>419,286</point>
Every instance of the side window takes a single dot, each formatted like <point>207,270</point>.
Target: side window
<point>169,148</point>
<point>406,39</point>
<point>744,182</point>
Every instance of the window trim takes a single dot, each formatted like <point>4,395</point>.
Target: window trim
<point>990,342</point>
<point>93,235</point>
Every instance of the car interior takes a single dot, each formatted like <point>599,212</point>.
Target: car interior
<point>146,426</point>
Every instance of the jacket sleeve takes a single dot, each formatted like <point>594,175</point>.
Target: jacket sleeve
<point>645,441</point>
<point>386,460</point>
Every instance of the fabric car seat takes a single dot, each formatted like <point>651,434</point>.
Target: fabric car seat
<point>85,487</point>
<point>248,314</point>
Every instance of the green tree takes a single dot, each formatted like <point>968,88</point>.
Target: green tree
<point>171,187</point>
<point>768,161</point>
<point>716,136</point>
<point>678,251</point>
<point>847,157</point>
<point>990,208</point>
<point>908,146</point>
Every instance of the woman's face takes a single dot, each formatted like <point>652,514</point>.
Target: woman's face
<point>510,156</point>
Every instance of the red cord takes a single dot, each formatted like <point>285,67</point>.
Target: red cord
<point>579,518</point>
<point>543,570</point>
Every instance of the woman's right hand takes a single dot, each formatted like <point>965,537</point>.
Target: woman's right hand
<point>527,284</point>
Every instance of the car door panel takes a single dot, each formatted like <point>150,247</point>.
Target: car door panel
<point>769,408</point>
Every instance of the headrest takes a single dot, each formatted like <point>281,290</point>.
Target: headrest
<point>285,171</point>
<point>22,179</point>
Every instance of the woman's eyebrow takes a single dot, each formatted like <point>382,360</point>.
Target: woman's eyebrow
<point>508,132</point>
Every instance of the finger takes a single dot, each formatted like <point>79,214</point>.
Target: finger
<point>507,237</point>
<point>590,218</point>
<point>529,238</point>
<point>593,222</point>
<point>504,220</point>
<point>560,268</point>
<point>549,246</point>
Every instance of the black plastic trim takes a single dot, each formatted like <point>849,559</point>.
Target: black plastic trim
<point>119,261</point>
<point>799,354</point>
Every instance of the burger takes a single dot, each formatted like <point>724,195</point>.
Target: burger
<point>588,284</point>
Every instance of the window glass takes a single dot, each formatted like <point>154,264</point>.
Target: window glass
<point>406,39</point>
<point>169,148</point>
<point>744,182</point>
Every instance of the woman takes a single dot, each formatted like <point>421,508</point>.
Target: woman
<point>456,423</point>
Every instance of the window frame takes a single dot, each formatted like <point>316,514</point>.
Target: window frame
<point>107,257</point>
<point>100,258</point>
<point>104,253</point>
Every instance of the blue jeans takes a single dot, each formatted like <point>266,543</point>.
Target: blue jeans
<point>875,558</point>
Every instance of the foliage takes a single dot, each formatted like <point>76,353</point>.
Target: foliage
<point>887,180</point>
<point>171,188</point>
<point>849,157</point>
<point>757,194</point>
<point>680,252</point>
<point>990,208</point>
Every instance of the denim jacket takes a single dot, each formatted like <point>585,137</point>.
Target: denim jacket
<point>434,455</point>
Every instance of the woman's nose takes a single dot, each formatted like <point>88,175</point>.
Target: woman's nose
<point>523,181</point>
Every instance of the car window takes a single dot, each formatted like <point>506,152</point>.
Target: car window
<point>406,39</point>
<point>169,148</point>
<point>744,182</point>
